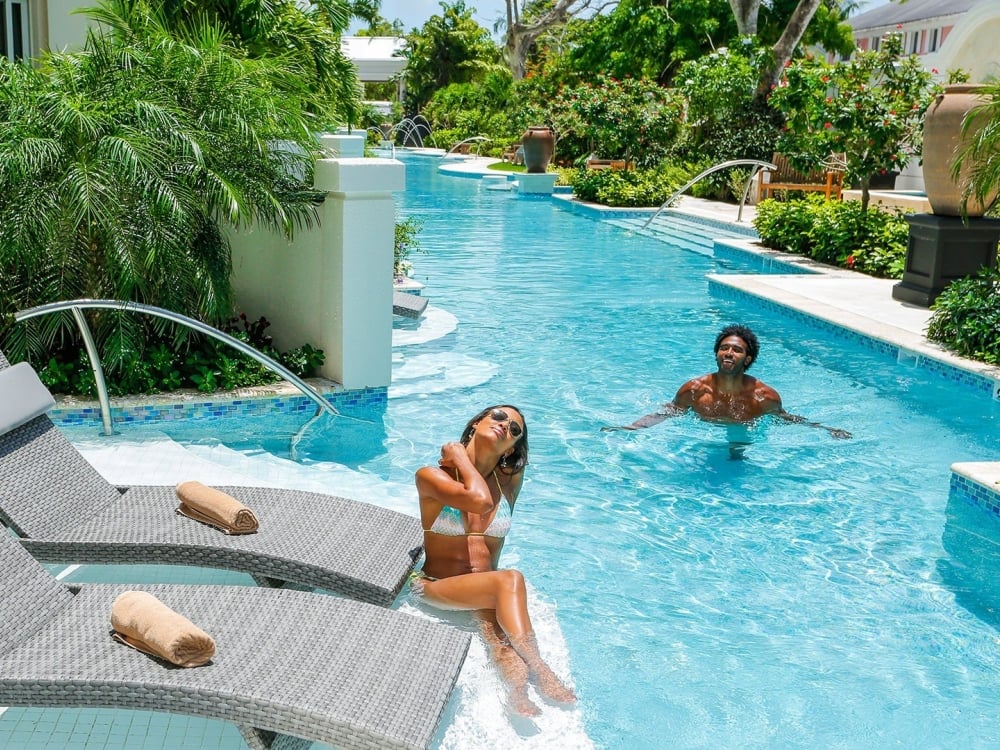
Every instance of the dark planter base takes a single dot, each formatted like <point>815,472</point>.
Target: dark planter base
<point>885,181</point>
<point>942,249</point>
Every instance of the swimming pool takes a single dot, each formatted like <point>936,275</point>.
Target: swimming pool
<point>817,594</point>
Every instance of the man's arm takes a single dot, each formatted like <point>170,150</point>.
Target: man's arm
<point>664,412</point>
<point>796,419</point>
<point>772,405</point>
<point>683,400</point>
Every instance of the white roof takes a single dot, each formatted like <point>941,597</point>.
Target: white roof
<point>910,11</point>
<point>374,56</point>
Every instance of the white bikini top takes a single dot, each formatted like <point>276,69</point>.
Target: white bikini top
<point>451,521</point>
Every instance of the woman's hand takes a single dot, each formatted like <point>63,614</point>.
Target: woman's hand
<point>451,454</point>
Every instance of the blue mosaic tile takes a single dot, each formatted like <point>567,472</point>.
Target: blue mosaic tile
<point>757,261</point>
<point>952,374</point>
<point>364,400</point>
<point>978,494</point>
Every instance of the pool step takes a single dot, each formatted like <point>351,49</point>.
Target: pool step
<point>684,230</point>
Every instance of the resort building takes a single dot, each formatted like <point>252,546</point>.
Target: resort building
<point>946,34</point>
<point>378,61</point>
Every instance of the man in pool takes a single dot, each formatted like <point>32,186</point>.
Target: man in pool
<point>728,394</point>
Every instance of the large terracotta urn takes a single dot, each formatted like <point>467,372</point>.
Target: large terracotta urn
<point>943,140</point>
<point>538,143</point>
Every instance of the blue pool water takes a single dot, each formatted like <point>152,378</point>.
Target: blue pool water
<point>817,594</point>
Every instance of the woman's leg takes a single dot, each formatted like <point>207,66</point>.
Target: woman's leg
<point>513,670</point>
<point>503,591</point>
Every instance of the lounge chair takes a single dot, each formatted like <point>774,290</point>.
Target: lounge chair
<point>408,305</point>
<point>66,512</point>
<point>290,667</point>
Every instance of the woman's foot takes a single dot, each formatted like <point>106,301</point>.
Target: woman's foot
<point>519,703</point>
<point>551,686</point>
<point>547,682</point>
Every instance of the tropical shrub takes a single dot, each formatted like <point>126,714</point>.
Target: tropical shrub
<point>119,167</point>
<point>869,109</point>
<point>839,233</point>
<point>406,244</point>
<point>631,119</point>
<point>980,155</point>
<point>628,188</point>
<point>474,105</point>
<point>724,119</point>
<point>966,317</point>
<point>202,363</point>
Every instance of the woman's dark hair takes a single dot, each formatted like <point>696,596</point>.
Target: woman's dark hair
<point>518,459</point>
<point>748,336</point>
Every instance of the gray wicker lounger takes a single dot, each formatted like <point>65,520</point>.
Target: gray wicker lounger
<point>290,667</point>
<point>66,512</point>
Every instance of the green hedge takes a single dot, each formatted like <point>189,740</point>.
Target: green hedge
<point>629,188</point>
<point>836,232</point>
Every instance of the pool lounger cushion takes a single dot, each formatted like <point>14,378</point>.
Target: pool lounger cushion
<point>33,398</point>
<point>290,667</point>
<point>64,511</point>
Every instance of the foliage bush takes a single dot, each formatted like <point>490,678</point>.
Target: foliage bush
<point>966,317</point>
<point>839,233</point>
<point>202,363</point>
<point>406,243</point>
<point>725,120</point>
<point>628,188</point>
<point>630,119</point>
<point>469,106</point>
<point>869,109</point>
<point>123,164</point>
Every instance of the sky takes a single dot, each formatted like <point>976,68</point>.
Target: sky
<point>413,13</point>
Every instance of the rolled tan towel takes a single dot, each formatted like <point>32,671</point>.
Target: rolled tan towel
<point>215,508</point>
<point>147,624</point>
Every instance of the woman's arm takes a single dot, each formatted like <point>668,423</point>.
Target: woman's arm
<point>438,484</point>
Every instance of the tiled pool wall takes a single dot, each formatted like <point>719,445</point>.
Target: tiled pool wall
<point>976,493</point>
<point>360,402</point>
<point>761,262</point>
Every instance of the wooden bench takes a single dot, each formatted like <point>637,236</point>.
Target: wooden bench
<point>612,164</point>
<point>830,182</point>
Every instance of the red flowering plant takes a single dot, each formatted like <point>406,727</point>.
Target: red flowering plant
<point>865,115</point>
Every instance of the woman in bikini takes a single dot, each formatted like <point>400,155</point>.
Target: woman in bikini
<point>466,503</point>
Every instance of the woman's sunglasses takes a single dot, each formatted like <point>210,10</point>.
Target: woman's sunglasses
<point>499,415</point>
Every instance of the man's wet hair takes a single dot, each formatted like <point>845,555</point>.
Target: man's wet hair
<point>748,336</point>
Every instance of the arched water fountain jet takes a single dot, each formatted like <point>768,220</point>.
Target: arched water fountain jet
<point>409,130</point>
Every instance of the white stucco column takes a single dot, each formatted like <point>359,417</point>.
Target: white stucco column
<point>355,277</point>
<point>331,286</point>
<point>344,145</point>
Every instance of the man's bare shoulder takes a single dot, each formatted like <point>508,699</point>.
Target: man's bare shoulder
<point>765,394</point>
<point>693,388</point>
<point>700,383</point>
